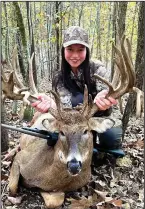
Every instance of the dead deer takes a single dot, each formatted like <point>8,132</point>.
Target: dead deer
<point>66,166</point>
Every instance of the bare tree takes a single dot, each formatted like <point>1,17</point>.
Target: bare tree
<point>57,4</point>
<point>139,68</point>
<point>21,39</point>
<point>133,22</point>
<point>80,13</point>
<point>99,56</point>
<point>114,25</point>
<point>108,34</point>
<point>7,32</point>
<point>122,8</point>
<point>31,39</point>
<point>4,132</point>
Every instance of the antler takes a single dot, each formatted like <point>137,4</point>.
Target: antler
<point>13,88</point>
<point>8,89</point>
<point>125,68</point>
<point>56,113</point>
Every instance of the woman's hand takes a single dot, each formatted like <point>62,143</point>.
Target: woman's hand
<point>102,102</point>
<point>44,103</point>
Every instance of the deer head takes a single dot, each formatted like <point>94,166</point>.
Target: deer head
<point>75,142</point>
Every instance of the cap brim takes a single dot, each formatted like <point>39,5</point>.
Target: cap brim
<point>75,42</point>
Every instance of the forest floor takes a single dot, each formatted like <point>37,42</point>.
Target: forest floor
<point>115,183</point>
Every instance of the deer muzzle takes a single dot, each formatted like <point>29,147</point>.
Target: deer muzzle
<point>74,166</point>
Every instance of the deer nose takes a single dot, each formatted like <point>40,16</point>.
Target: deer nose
<point>74,166</point>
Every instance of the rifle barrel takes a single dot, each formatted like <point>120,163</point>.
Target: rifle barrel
<point>29,132</point>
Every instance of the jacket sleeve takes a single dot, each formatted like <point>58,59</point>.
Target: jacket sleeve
<point>58,86</point>
<point>99,68</point>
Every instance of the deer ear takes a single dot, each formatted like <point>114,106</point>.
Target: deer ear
<point>50,124</point>
<point>100,125</point>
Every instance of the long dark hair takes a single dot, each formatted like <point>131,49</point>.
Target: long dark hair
<point>66,70</point>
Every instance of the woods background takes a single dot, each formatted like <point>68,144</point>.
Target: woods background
<point>39,27</point>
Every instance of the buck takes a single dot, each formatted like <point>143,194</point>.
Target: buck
<point>66,166</point>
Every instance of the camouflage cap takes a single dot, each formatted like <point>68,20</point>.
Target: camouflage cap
<point>75,35</point>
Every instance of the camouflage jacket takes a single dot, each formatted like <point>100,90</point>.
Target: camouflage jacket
<point>95,68</point>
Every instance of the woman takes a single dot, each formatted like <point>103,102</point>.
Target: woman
<point>77,70</point>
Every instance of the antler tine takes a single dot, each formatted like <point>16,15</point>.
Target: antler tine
<point>139,102</point>
<point>129,49</point>
<point>16,77</point>
<point>127,78</point>
<point>91,108</point>
<point>120,67</point>
<point>127,74</point>
<point>85,102</point>
<point>128,63</point>
<point>106,82</point>
<point>57,114</point>
<point>31,79</point>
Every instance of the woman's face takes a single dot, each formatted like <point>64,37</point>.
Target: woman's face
<point>75,54</point>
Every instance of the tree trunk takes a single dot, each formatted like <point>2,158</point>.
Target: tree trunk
<point>20,56</point>
<point>114,17</point>
<point>20,25</point>
<point>92,43</point>
<point>139,68</point>
<point>108,35</point>
<point>57,4</point>
<point>4,132</point>
<point>121,8</point>
<point>99,56</point>
<point>139,64</point>
<point>121,18</point>
<point>80,14</point>
<point>31,38</point>
<point>134,17</point>
<point>7,33</point>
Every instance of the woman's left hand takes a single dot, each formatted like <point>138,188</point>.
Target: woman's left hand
<point>102,102</point>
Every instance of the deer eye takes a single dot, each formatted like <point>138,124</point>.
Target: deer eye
<point>85,131</point>
<point>61,132</point>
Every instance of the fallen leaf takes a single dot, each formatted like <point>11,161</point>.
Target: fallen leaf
<point>4,177</point>
<point>124,162</point>
<point>137,144</point>
<point>6,164</point>
<point>83,203</point>
<point>10,155</point>
<point>117,203</point>
<point>99,196</point>
<point>126,206</point>
<point>110,205</point>
<point>15,200</point>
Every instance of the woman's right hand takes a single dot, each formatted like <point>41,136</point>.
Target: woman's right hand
<point>44,103</point>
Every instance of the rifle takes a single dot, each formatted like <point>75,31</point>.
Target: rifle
<point>52,138</point>
<point>49,136</point>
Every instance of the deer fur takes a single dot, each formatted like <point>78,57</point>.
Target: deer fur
<point>45,167</point>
